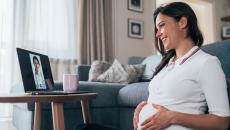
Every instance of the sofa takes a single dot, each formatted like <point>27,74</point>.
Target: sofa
<point>115,103</point>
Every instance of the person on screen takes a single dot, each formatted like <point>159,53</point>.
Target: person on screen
<point>39,79</point>
<point>184,88</point>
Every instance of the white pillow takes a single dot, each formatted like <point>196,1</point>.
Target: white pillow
<point>151,62</point>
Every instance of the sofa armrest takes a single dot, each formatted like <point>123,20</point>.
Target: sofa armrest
<point>83,72</point>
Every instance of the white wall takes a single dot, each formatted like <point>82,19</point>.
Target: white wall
<point>125,46</point>
<point>221,9</point>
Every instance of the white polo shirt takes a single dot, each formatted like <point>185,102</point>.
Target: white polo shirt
<point>189,86</point>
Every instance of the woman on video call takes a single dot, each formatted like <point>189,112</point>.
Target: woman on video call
<point>188,89</point>
<point>39,80</point>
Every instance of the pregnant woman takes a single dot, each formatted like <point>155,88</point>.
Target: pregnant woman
<point>188,89</point>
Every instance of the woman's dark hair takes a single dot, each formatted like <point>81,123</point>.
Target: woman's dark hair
<point>177,10</point>
<point>35,58</point>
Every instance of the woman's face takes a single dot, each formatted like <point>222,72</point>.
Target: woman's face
<point>168,31</point>
<point>36,65</point>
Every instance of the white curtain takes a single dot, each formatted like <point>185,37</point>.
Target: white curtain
<point>61,66</point>
<point>50,27</point>
<point>44,26</point>
<point>6,55</point>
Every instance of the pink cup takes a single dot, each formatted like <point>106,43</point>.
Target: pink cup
<point>70,82</point>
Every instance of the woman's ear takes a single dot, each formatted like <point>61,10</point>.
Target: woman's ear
<point>183,22</point>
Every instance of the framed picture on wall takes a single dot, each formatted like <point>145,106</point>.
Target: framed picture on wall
<point>226,32</point>
<point>135,28</point>
<point>136,5</point>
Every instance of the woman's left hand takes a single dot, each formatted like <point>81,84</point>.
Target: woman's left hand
<point>159,121</point>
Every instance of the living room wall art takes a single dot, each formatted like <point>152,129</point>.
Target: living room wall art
<point>136,28</point>
<point>136,5</point>
<point>226,32</point>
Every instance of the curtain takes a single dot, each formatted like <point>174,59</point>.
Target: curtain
<point>48,27</point>
<point>6,49</point>
<point>95,31</point>
<point>44,26</point>
<point>62,66</point>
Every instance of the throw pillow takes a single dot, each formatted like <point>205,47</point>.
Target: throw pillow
<point>135,71</point>
<point>151,62</point>
<point>115,74</point>
<point>125,74</point>
<point>97,68</point>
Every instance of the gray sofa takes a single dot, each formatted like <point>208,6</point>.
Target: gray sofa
<point>115,103</point>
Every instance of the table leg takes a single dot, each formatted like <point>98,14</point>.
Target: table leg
<point>37,116</point>
<point>58,116</point>
<point>85,111</point>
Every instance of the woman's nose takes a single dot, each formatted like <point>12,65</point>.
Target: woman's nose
<point>158,34</point>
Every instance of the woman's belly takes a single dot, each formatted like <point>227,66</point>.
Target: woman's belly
<point>148,110</point>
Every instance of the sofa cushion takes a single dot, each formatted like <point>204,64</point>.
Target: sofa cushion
<point>151,62</point>
<point>107,93</point>
<point>97,68</point>
<point>133,94</point>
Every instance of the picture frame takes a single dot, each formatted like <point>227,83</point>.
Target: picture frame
<point>226,32</point>
<point>135,28</point>
<point>136,5</point>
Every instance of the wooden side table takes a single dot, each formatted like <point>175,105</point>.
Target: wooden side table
<point>56,103</point>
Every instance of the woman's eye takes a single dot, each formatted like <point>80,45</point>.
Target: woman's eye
<point>161,25</point>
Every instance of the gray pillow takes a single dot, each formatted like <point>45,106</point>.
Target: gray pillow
<point>97,68</point>
<point>124,74</point>
<point>115,74</point>
<point>139,70</point>
<point>151,62</point>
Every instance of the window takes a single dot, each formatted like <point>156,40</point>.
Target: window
<point>44,26</point>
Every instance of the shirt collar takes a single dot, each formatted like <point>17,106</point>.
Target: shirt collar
<point>185,56</point>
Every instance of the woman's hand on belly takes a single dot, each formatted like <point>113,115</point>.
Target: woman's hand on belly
<point>159,121</point>
<point>136,113</point>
